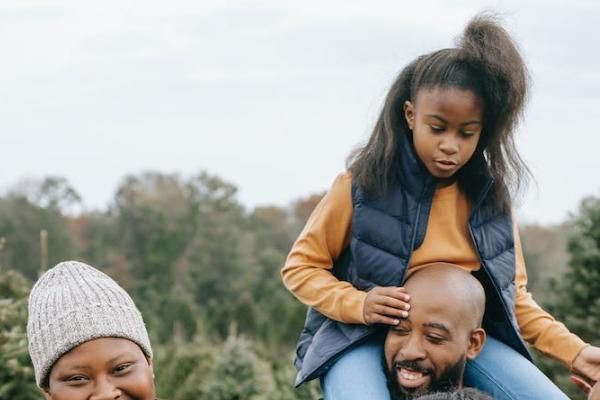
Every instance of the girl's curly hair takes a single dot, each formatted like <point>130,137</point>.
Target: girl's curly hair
<point>485,61</point>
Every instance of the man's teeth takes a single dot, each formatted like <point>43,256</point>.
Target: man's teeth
<point>410,375</point>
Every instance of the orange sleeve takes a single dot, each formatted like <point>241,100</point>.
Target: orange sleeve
<point>538,327</point>
<point>307,271</point>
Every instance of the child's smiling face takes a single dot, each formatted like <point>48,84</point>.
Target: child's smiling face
<point>105,368</point>
<point>446,125</point>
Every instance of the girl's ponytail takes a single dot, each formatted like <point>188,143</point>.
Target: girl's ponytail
<point>487,62</point>
<point>488,47</point>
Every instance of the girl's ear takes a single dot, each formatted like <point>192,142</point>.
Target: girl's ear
<point>409,114</point>
<point>476,342</point>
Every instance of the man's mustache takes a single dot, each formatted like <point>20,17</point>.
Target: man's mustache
<point>413,366</point>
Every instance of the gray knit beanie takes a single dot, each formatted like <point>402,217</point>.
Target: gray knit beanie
<point>73,303</point>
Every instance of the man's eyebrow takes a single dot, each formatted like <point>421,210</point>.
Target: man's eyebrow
<point>437,325</point>
<point>474,121</point>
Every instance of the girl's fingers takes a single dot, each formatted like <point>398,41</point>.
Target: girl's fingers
<point>394,292</point>
<point>382,319</point>
<point>390,311</point>
<point>392,302</point>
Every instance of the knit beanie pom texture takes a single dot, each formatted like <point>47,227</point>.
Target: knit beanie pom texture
<point>73,303</point>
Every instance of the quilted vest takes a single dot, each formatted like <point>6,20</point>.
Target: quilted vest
<point>384,233</point>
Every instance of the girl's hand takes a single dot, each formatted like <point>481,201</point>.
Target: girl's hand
<point>587,363</point>
<point>386,305</point>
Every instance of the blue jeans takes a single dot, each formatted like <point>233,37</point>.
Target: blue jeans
<point>498,370</point>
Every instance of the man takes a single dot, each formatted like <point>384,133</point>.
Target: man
<point>427,351</point>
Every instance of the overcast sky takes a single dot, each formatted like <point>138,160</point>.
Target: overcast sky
<point>269,95</point>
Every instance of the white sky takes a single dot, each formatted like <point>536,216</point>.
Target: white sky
<point>269,95</point>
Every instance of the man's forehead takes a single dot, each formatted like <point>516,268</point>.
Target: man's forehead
<point>435,291</point>
<point>436,309</point>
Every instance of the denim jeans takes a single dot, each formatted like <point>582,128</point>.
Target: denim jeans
<point>498,370</point>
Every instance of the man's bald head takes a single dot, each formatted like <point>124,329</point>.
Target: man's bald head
<point>428,350</point>
<point>457,287</point>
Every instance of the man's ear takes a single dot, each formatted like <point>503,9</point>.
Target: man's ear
<point>476,342</point>
<point>409,114</point>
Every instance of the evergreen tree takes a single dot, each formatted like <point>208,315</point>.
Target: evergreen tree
<point>579,293</point>
<point>577,302</point>
<point>17,380</point>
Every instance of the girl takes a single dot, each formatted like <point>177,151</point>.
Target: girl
<point>432,184</point>
<point>87,339</point>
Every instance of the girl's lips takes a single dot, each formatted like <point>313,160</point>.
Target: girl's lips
<point>411,379</point>
<point>445,165</point>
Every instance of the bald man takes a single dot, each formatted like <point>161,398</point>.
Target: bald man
<point>427,352</point>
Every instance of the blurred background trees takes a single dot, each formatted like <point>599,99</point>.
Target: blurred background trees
<point>204,271</point>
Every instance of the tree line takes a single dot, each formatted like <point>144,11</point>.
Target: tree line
<point>204,271</point>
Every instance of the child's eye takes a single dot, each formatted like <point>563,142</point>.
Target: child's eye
<point>468,133</point>
<point>122,368</point>
<point>436,128</point>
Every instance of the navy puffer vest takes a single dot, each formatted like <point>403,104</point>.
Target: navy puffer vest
<point>384,233</point>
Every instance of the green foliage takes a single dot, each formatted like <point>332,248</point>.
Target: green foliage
<point>546,257</point>
<point>237,373</point>
<point>228,370</point>
<point>577,302</point>
<point>17,380</point>
<point>20,224</point>
<point>195,262</point>
<point>180,367</point>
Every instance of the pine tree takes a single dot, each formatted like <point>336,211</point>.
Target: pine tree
<point>16,371</point>
<point>577,293</point>
<point>578,305</point>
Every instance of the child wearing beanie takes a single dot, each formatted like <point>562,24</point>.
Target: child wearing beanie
<point>87,339</point>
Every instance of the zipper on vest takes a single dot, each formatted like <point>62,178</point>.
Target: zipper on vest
<point>413,238</point>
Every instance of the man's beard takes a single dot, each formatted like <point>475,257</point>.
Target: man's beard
<point>450,379</point>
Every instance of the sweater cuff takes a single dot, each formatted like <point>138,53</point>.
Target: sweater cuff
<point>572,351</point>
<point>353,308</point>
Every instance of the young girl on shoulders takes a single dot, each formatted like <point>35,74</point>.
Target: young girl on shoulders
<point>432,184</point>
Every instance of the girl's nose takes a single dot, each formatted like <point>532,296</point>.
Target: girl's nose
<point>448,145</point>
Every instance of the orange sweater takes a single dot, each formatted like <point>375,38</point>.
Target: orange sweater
<point>307,271</point>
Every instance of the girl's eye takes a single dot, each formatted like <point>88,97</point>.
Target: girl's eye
<point>468,134</point>
<point>436,128</point>
<point>122,368</point>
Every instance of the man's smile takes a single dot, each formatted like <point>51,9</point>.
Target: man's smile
<point>411,379</point>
